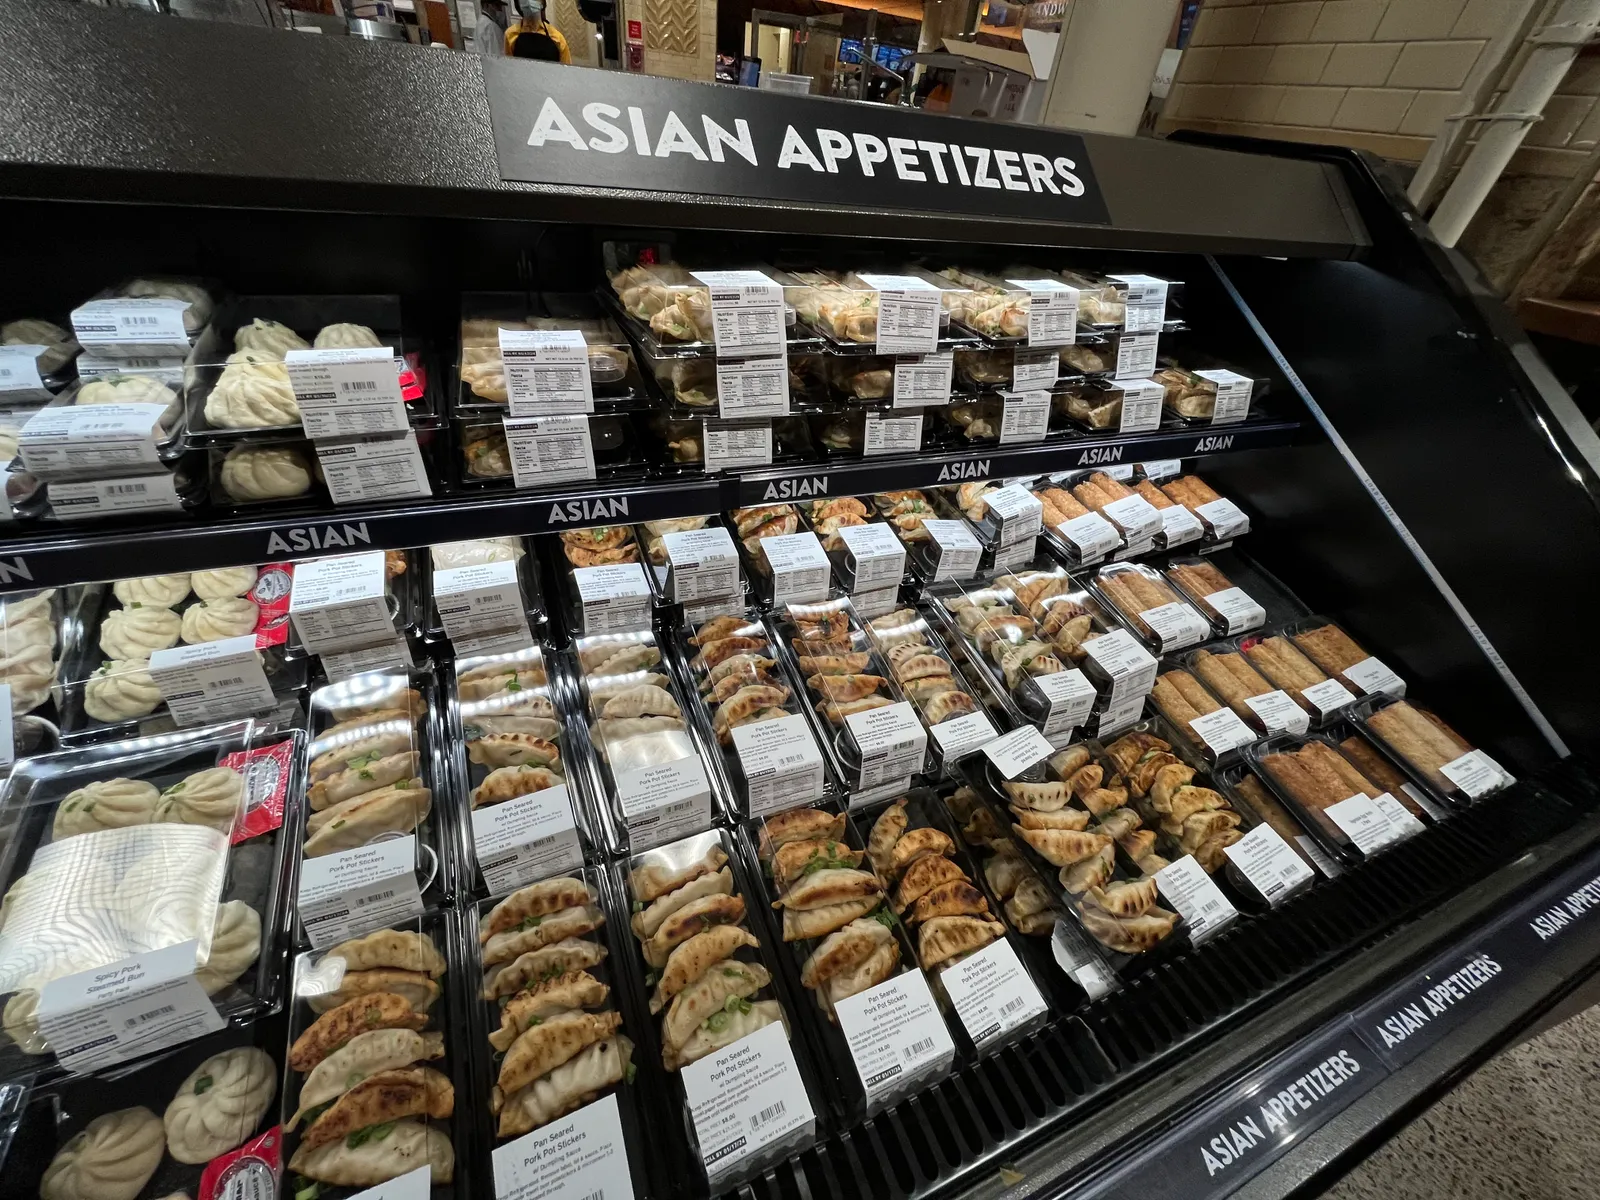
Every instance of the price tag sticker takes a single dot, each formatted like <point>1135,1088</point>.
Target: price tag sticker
<point>1400,819</point>
<point>873,557</point>
<point>753,387</point>
<point>1162,468</point>
<point>895,1034</point>
<point>1224,518</point>
<point>1128,665</point>
<point>1222,731</point>
<point>1268,862</point>
<point>891,435</point>
<point>1136,358</point>
<point>782,764</point>
<point>132,321</point>
<point>922,379</point>
<point>1328,697</point>
<point>547,372</point>
<point>746,1097</point>
<point>1019,512</point>
<point>65,441</point>
<point>486,598</point>
<point>1237,608</point>
<point>702,564</point>
<point>1186,886</point>
<point>991,992</point>
<point>1233,396</point>
<point>960,736</point>
<point>341,603</point>
<point>352,892</point>
<point>1035,370</point>
<point>546,450</point>
<point>1279,713</point>
<point>1052,311</point>
<point>800,568</point>
<point>1025,417</point>
<point>346,393</point>
<point>526,839</point>
<point>386,656</point>
<point>91,498</point>
<point>1134,515</point>
<point>1069,696</point>
<point>19,369</point>
<point>877,603</point>
<point>731,444</point>
<point>1371,675</point>
<point>1363,822</point>
<point>746,312</point>
<point>212,681</point>
<point>162,368</point>
<point>892,744</point>
<point>1144,303</point>
<point>665,802</point>
<point>1476,774</point>
<point>579,1157</point>
<point>1122,713</point>
<point>1141,404</point>
<point>1018,750</point>
<point>1091,535</point>
<point>613,598</point>
<point>1176,625</point>
<point>373,468</point>
<point>958,550</point>
<point>1179,525</point>
<point>908,313</point>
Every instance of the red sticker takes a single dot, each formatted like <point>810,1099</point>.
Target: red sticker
<point>248,1173</point>
<point>273,584</point>
<point>413,378</point>
<point>266,787</point>
<point>636,31</point>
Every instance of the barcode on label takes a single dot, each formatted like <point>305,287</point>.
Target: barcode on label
<point>231,681</point>
<point>164,1010</point>
<point>136,320</point>
<point>920,1047</point>
<point>600,1195</point>
<point>770,1113</point>
<point>682,806</point>
<point>358,385</point>
<point>1011,1006</point>
<point>375,898</point>
<point>125,489</point>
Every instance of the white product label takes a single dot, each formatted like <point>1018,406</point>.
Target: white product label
<point>1226,519</point>
<point>501,642</point>
<point>486,598</point>
<point>19,368</point>
<point>1134,515</point>
<point>580,1157</point>
<point>386,656</point>
<point>1400,819</point>
<point>1476,774</point>
<point>1129,665</point>
<point>960,736</point>
<point>546,450</point>
<point>1426,802</point>
<point>1180,525</point>
<point>1074,955</point>
<point>1328,697</point>
<point>353,892</point>
<point>1025,417</point>
<point>1134,549</point>
<point>726,606</point>
<point>1238,608</point>
<point>800,568</point>
<point>1318,856</point>
<point>1371,675</point>
<point>908,314</point>
<point>1162,468</point>
<point>1176,625</point>
<point>341,603</point>
<point>1070,696</point>
<point>613,598</point>
<point>1136,358</point>
<point>413,1185</point>
<point>991,992</point>
<point>213,681</point>
<point>1015,556</point>
<point>891,435</point>
<point>959,550</point>
<point>874,557</point>
<point>8,745</point>
<point>373,468</point>
<point>68,440</point>
<point>1267,861</point>
<point>1233,396</point>
<point>753,387</point>
<point>1052,311</point>
<point>1222,731</point>
<point>869,605</point>
<point>746,312</point>
<point>547,371</point>
<point>922,379</point>
<point>346,393</point>
<point>1363,822</point>
<point>730,444</point>
<point>895,1034</point>
<point>1091,535</point>
<point>1141,405</point>
<point>1279,713</point>
<point>107,497</point>
<point>1019,511</point>
<point>1034,370</point>
<point>525,839</point>
<point>1122,713</point>
<point>1188,889</point>
<point>145,322</point>
<point>663,803</point>
<point>746,1097</point>
<point>782,765</point>
<point>1145,303</point>
<point>703,564</point>
<point>163,369</point>
<point>892,743</point>
<point>1018,750</point>
<point>126,1009</point>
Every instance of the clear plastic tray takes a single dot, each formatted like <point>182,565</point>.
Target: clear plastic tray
<point>1255,801</point>
<point>826,518</point>
<point>658,569</point>
<point>58,347</point>
<point>1278,659</point>
<point>1192,398</point>
<point>1421,762</point>
<point>483,458</point>
<point>38,631</point>
<point>473,552</point>
<point>1332,649</point>
<point>927,675</point>
<point>1199,578</point>
<point>613,377</point>
<point>843,307</point>
<point>257,474</point>
<point>668,310</point>
<point>1132,589</point>
<point>170,436</point>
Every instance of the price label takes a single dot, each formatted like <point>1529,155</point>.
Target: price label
<point>960,736</point>
<point>212,681</point>
<point>63,441</point>
<point>746,1097</point>
<point>1025,417</point>
<point>1476,774</point>
<point>1400,819</point>
<point>891,435</point>
<point>874,557</point>
<point>1078,959</point>
<point>352,892</point>
<point>344,393</point>
<point>665,802</point>
<point>126,1009</point>
<point>1069,697</point>
<point>1319,858</point>
<point>1034,370</point>
<point>1019,512</point>
<point>753,387</point>
<point>19,368</point>
<point>1222,731</point>
<point>1279,713</point>
<point>1188,889</point>
<point>1136,357</point>
<point>613,598</point>
<point>1179,525</point>
<point>991,992</point>
<point>1144,302</point>
<point>1141,404</point>
<point>958,551</point>
<point>877,603</point>
<point>526,839</point>
<point>1176,625</point>
<point>161,368</point>
<point>109,497</point>
<point>1162,468</point>
<point>1363,822</point>
<point>1134,515</point>
<point>800,568</point>
<point>373,468</point>
<point>782,765</point>
<point>1091,535</point>
<point>546,450</point>
<point>1268,862</point>
<point>1328,697</point>
<point>1224,518</point>
<point>1237,608</point>
<point>731,444</point>
<point>547,372</point>
<point>746,312</point>
<point>1128,665</point>
<point>486,598</point>
<point>1052,311</point>
<point>922,379</point>
<point>387,656</point>
<point>895,1034</point>
<point>1233,396</point>
<point>580,1157</point>
<point>138,322</point>
<point>892,743</point>
<point>1122,713</point>
<point>908,314</point>
<point>702,563</point>
<point>341,603</point>
<point>1018,750</point>
<point>1371,675</point>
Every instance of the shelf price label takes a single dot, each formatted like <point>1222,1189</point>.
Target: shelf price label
<point>347,393</point>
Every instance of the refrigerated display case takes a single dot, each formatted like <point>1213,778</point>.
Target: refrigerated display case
<point>1154,951</point>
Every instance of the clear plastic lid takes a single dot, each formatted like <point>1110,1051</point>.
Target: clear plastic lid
<point>673,306</point>
<point>157,418</point>
<point>1152,608</point>
<point>928,676</point>
<point>148,316</point>
<point>35,359</point>
<point>31,643</point>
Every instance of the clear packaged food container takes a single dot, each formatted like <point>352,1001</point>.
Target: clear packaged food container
<point>479,552</point>
<point>1431,752</point>
<point>1223,519</point>
<point>481,375</point>
<point>252,474</point>
<point>985,369</point>
<point>857,379</point>
<point>707,958</point>
<point>1150,606</point>
<point>1342,657</point>
<point>1094,405</point>
<point>1276,657</point>
<point>1093,358</point>
<point>1192,713</point>
<point>1228,607</point>
<point>123,849</point>
<point>844,307</point>
<point>164,436</point>
<point>380,1080</point>
<point>875,564</point>
<point>1255,801</point>
<point>152,317</point>
<point>675,445</point>
<point>36,359</point>
<point>993,309</point>
<point>1104,301</point>
<point>920,665</point>
<point>711,583</point>
<point>669,307</point>
<point>485,456</point>
<point>1077,534</point>
<point>36,633</point>
<point>1207,396</point>
<point>1231,678</point>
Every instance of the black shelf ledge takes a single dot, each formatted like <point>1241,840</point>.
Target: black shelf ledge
<point>56,556</point>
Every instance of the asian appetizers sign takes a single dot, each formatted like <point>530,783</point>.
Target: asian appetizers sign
<point>616,129</point>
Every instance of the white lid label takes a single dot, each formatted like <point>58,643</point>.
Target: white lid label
<point>66,440</point>
<point>546,450</point>
<point>1019,511</point>
<point>386,656</point>
<point>547,371</point>
<point>1279,713</point>
<point>1025,417</point>
<point>1179,525</point>
<point>131,321</point>
<point>340,603</point>
<point>1035,370</point>
<point>1233,396</point>
<point>1162,468</point>
<point>959,550</point>
<point>1317,855</point>
<point>800,568</point>
<point>1371,675</point>
<point>579,1157</point>
<point>958,737</point>
<point>876,603</point>
<point>1129,665</point>
<point>895,1034</point>
<point>730,444</point>
<point>19,368</point>
<point>892,743</point>
<point>1267,861</point>
<point>891,435</point>
<point>1176,625</point>
<point>525,839</point>
<point>1141,404</point>
<point>1018,750</point>
<point>614,597</point>
<point>922,379</point>
<point>1237,608</point>
<point>1366,823</point>
<point>1222,730</point>
<point>1091,535</point>
<point>991,992</point>
<point>746,312</point>
<point>874,557</point>
<point>1136,358</point>
<point>355,891</point>
<point>702,564</point>
<point>1134,515</point>
<point>485,598</point>
<point>908,314</point>
<point>1070,696</point>
<point>1328,697</point>
<point>663,803</point>
<point>1476,774</point>
<point>212,681</point>
<point>1052,311</point>
<point>104,497</point>
<point>1145,302</point>
<point>746,1097</point>
<point>753,387</point>
<point>344,393</point>
<point>1186,886</point>
<point>373,468</point>
<point>1122,713</point>
<point>782,765</point>
<point>1226,519</point>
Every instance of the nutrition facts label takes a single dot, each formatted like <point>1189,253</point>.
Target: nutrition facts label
<point>921,379</point>
<point>531,837</point>
<point>908,314</point>
<point>1141,403</point>
<point>547,371</point>
<point>1034,370</point>
<point>730,444</point>
<point>1233,396</point>
<point>891,435</point>
<point>547,450</point>
<point>343,393</point>
<point>746,312</point>
<point>1025,417</point>
<point>753,387</point>
<point>1052,311</point>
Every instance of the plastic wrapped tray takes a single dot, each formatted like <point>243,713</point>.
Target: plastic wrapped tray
<point>667,310</point>
<point>1422,763</point>
<point>476,552</point>
<point>201,298</point>
<point>481,388</point>
<point>1124,587</point>
<point>483,457</point>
